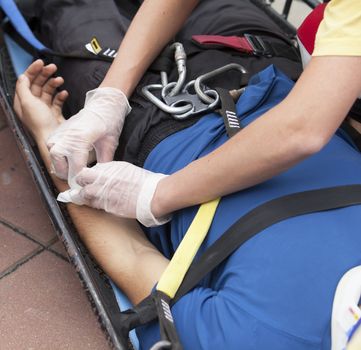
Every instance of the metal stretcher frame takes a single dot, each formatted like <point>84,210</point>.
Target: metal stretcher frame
<point>93,280</point>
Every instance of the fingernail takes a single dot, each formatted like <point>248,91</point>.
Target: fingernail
<point>21,77</point>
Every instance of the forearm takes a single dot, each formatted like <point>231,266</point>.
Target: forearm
<point>239,163</point>
<point>121,249</point>
<point>298,127</point>
<point>118,245</point>
<point>156,22</point>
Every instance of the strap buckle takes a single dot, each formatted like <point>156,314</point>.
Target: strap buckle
<point>259,46</point>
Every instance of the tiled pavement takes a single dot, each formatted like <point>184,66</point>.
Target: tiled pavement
<point>42,304</point>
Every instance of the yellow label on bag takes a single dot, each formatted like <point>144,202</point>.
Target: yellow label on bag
<point>95,45</point>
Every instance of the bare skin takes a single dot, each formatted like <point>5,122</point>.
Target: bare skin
<point>296,128</point>
<point>119,245</point>
<point>323,96</point>
<point>154,25</point>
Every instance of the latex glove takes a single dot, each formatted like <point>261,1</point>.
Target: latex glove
<point>122,189</point>
<point>98,125</point>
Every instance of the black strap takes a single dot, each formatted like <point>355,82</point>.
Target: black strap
<point>228,112</point>
<point>355,111</point>
<point>246,227</point>
<point>141,314</point>
<point>168,331</point>
<point>275,46</point>
<point>263,216</point>
<point>352,133</point>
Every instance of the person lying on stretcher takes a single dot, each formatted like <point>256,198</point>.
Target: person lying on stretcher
<point>275,292</point>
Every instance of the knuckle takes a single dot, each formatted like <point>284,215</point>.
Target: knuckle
<point>88,193</point>
<point>55,152</point>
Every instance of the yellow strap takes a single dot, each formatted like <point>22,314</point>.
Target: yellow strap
<point>173,275</point>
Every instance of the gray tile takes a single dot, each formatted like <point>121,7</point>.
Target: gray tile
<point>42,307</point>
<point>20,202</point>
<point>13,247</point>
<point>58,247</point>
<point>2,120</point>
<point>299,11</point>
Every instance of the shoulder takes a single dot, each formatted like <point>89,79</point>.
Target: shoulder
<point>340,31</point>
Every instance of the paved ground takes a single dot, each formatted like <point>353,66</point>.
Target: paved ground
<point>42,305</point>
<point>297,13</point>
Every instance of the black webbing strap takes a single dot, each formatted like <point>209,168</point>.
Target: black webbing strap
<point>168,333</point>
<point>352,133</point>
<point>263,216</point>
<point>228,112</point>
<point>282,50</point>
<point>246,227</point>
<point>141,314</point>
<point>355,111</point>
<point>271,45</point>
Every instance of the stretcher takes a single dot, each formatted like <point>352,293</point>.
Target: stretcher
<point>13,61</point>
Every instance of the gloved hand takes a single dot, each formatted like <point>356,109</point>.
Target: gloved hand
<point>98,125</point>
<point>122,189</point>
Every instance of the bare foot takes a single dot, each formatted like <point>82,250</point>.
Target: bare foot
<point>37,102</point>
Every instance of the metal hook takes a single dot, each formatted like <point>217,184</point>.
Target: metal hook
<point>187,107</point>
<point>180,57</point>
<point>201,79</point>
<point>185,97</point>
<point>161,345</point>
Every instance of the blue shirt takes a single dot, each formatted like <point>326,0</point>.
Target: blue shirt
<point>276,290</point>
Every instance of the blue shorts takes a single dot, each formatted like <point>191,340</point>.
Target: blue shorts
<point>276,290</point>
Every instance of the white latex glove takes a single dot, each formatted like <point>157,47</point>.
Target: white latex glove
<point>120,188</point>
<point>98,125</point>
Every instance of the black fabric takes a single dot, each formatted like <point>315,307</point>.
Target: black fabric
<point>228,112</point>
<point>250,224</point>
<point>66,26</point>
<point>352,133</point>
<point>355,111</point>
<point>166,323</point>
<point>262,217</point>
<point>140,314</point>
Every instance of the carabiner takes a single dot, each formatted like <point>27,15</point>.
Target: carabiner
<point>201,79</point>
<point>180,57</point>
<point>174,110</point>
<point>162,345</point>
<point>186,97</point>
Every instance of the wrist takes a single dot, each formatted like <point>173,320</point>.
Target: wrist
<point>144,210</point>
<point>109,98</point>
<point>159,201</point>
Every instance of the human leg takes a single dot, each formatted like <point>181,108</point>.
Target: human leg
<point>118,245</point>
